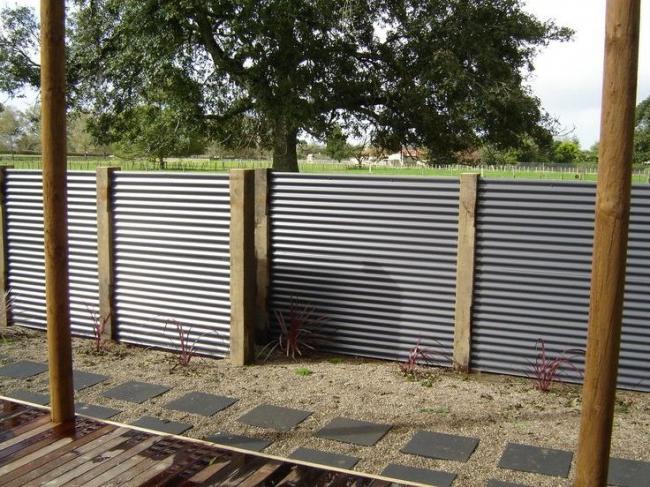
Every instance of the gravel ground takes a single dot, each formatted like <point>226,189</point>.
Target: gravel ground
<point>496,409</point>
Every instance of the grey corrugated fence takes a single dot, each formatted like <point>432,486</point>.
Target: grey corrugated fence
<point>376,255</point>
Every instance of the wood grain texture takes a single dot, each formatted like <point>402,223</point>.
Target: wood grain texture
<point>262,262</point>
<point>465,270</point>
<point>105,250</point>
<point>55,217</point>
<point>610,241</point>
<point>5,316</point>
<point>242,266</point>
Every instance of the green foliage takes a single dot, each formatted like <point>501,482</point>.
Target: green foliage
<point>304,371</point>
<point>19,130</point>
<point>567,151</point>
<point>337,145</point>
<point>441,74</point>
<point>642,132</point>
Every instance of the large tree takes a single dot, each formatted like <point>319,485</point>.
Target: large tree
<point>642,132</point>
<point>445,74</point>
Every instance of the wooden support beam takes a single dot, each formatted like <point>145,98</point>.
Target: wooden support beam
<point>610,241</point>
<point>105,251</point>
<point>53,142</point>
<point>242,266</point>
<point>5,298</point>
<point>262,261</point>
<point>465,270</point>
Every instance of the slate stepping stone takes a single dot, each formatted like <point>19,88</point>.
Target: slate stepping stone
<point>441,446</point>
<point>324,458</point>
<point>83,380</point>
<point>23,369</point>
<point>419,475</point>
<point>628,473</point>
<point>157,424</point>
<point>201,403</point>
<point>239,441</point>
<point>99,412</point>
<point>501,483</point>
<point>274,417</point>
<point>29,396</point>
<point>546,461</point>
<point>134,391</point>
<point>354,431</point>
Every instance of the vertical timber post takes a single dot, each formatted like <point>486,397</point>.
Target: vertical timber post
<point>242,266</point>
<point>262,262</point>
<point>53,142</point>
<point>610,241</point>
<point>5,297</point>
<point>465,270</point>
<point>105,255</point>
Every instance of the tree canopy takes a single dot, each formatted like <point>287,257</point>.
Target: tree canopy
<point>642,132</point>
<point>448,75</point>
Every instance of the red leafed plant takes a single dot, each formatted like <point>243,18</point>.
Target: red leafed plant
<point>299,330</point>
<point>546,370</point>
<point>419,356</point>
<point>99,325</point>
<point>186,348</point>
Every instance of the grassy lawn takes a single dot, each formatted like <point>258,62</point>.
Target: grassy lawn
<point>569,173</point>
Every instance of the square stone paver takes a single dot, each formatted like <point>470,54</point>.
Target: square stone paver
<point>441,446</point>
<point>546,461</point>
<point>239,441</point>
<point>29,396</point>
<point>324,458</point>
<point>201,403</point>
<point>99,412</point>
<point>501,483</point>
<point>274,417</point>
<point>23,369</point>
<point>134,391</point>
<point>157,424</point>
<point>419,475</point>
<point>628,473</point>
<point>353,431</point>
<point>82,380</point>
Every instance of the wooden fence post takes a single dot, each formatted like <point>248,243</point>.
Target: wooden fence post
<point>5,308</point>
<point>262,263</point>
<point>105,261</point>
<point>55,212</point>
<point>242,266</point>
<point>465,270</point>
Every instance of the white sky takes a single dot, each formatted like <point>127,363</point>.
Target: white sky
<point>568,76</point>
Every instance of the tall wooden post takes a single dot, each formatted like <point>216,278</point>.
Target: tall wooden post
<point>5,298</point>
<point>105,264</point>
<point>465,270</point>
<point>53,141</point>
<point>610,241</point>
<point>242,266</point>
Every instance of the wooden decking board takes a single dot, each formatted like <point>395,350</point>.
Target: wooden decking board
<point>48,462</point>
<point>92,453</point>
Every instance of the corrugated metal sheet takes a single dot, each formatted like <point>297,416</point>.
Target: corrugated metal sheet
<point>376,256</point>
<point>534,249</point>
<point>26,251</point>
<point>172,259</point>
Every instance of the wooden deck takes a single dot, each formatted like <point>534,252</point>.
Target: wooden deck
<point>91,453</point>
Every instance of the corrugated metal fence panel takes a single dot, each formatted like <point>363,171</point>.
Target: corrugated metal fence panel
<point>376,256</point>
<point>26,249</point>
<point>172,259</point>
<point>533,267</point>
<point>635,342</point>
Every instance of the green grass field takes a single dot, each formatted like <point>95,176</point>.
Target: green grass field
<point>569,173</point>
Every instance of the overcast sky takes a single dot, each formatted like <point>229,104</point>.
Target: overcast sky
<point>568,76</point>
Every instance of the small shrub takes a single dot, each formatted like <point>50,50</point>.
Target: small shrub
<point>546,370</point>
<point>303,371</point>
<point>186,348</point>
<point>421,357</point>
<point>299,331</point>
<point>99,326</point>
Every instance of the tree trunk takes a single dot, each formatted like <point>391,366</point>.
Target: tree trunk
<point>285,139</point>
<point>161,163</point>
